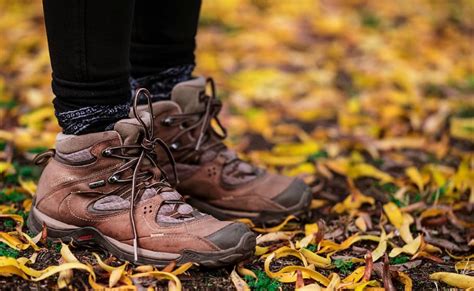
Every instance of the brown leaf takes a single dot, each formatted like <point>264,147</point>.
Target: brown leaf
<point>444,243</point>
<point>387,278</point>
<point>299,280</point>
<point>369,263</point>
<point>168,268</point>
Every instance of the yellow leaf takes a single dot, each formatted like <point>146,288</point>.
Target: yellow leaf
<point>63,267</point>
<point>366,170</point>
<point>277,227</point>
<point>64,278</point>
<point>360,223</point>
<point>245,272</point>
<point>460,257</point>
<point>353,201</point>
<point>17,218</point>
<point>304,149</point>
<point>310,287</point>
<point>67,255</point>
<point>464,265</point>
<point>247,221</point>
<point>286,251</point>
<point>394,214</point>
<point>28,185</point>
<point>381,247</point>
<point>406,280</point>
<point>5,135</point>
<point>27,204</point>
<point>7,209</point>
<point>453,279</point>
<point>36,118</point>
<point>334,281</point>
<point>416,177</point>
<point>116,274</point>
<point>101,263</point>
<point>238,282</point>
<point>317,203</point>
<point>313,258</point>
<point>462,128</point>
<point>340,165</point>
<point>404,230</point>
<point>410,248</point>
<point>6,167</point>
<point>20,265</point>
<point>310,231</point>
<point>287,274</point>
<point>7,271</point>
<point>301,169</point>
<point>273,236</point>
<point>311,228</point>
<point>273,160</point>
<point>401,143</point>
<point>162,275</point>
<point>31,241</point>
<point>361,286</point>
<point>145,268</point>
<point>183,268</point>
<point>328,246</point>
<point>261,250</point>
<point>355,276</point>
<point>13,242</point>
<point>432,212</point>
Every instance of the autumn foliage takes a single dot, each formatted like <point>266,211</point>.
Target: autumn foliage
<point>370,102</point>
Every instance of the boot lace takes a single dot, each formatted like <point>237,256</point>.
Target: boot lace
<point>143,174</point>
<point>200,125</point>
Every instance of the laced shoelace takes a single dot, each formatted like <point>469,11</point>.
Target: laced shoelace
<point>146,150</point>
<point>202,120</point>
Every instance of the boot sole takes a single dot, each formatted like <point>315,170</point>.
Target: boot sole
<point>265,217</point>
<point>57,230</point>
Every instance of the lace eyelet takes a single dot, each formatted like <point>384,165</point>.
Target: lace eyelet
<point>113,179</point>
<point>167,121</point>
<point>106,153</point>
<point>175,146</point>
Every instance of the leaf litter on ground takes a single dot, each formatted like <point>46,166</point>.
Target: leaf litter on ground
<point>370,102</point>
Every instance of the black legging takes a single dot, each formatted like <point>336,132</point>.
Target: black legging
<point>95,45</point>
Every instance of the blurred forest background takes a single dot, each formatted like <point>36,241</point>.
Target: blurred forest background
<point>371,102</point>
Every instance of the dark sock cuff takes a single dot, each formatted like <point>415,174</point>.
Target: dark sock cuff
<point>161,83</point>
<point>89,119</point>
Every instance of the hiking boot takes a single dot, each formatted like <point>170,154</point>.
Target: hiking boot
<point>106,188</point>
<point>215,179</point>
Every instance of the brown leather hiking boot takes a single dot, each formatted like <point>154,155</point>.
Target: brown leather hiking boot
<point>215,179</point>
<point>106,187</point>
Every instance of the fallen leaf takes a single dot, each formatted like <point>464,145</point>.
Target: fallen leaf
<point>238,282</point>
<point>453,279</point>
<point>410,248</point>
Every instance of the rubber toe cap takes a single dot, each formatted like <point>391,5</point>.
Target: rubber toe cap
<point>229,236</point>
<point>294,194</point>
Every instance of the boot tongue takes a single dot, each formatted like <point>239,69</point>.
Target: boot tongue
<point>187,94</point>
<point>131,129</point>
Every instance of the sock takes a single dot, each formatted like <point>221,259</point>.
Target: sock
<point>161,83</point>
<point>89,119</point>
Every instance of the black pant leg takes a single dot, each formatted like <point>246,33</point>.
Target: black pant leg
<point>89,44</point>
<point>163,35</point>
